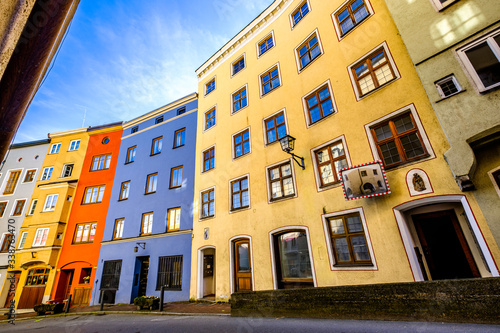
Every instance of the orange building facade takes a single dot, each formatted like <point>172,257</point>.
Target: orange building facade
<point>80,251</point>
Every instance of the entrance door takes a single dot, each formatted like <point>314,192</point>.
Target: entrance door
<point>12,287</point>
<point>445,248</point>
<point>207,273</point>
<point>242,266</point>
<point>140,277</point>
<point>71,272</point>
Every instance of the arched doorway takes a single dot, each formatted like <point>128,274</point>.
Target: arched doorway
<point>206,273</point>
<point>34,287</point>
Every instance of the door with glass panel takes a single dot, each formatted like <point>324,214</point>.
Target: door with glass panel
<point>293,262</point>
<point>242,265</point>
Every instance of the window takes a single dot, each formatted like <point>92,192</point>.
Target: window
<point>151,183</point>
<point>156,145</point>
<point>181,110</point>
<point>93,194</point>
<point>238,65</point>
<point>299,13</point>
<point>239,99</point>
<point>85,233</point>
<point>280,181</point>
<point>319,104</point>
<point>348,241</point>
<point>169,273</point>
<point>398,140</point>
<point>50,202</point>
<point>85,276</point>
<point>18,208</point>
<point>124,190</point>
<point>33,206</point>
<point>269,80</point>
<point>448,86</point>
<point>176,177</point>
<point>495,174</point>
<point>275,127</point>
<point>47,172</point>
<point>111,274</point>
<point>40,236</point>
<point>37,276</point>
<point>24,235</point>
<point>54,149</point>
<point>350,15</point>
<point>147,223</point>
<point>7,239</point>
<point>67,170</point>
<point>308,51</point>
<point>241,143</point>
<point>74,145</point>
<point>12,182</point>
<point>210,118</point>
<point>329,160</point>
<point>134,129</point>
<point>131,154</point>
<point>240,197</point>
<point>118,228</point>
<point>440,4</point>
<point>159,120</point>
<point>208,203</point>
<point>266,44</point>
<point>3,205</point>
<point>101,162</point>
<point>374,71</point>
<point>179,137</point>
<point>30,176</point>
<point>174,219</point>
<point>482,61</point>
<point>208,159</point>
<point>210,86</point>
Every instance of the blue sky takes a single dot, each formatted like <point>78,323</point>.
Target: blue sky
<point>124,58</point>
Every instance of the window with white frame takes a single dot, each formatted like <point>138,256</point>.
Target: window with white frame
<point>280,181</point>
<point>210,86</point>
<point>240,195</point>
<point>481,59</point>
<point>440,4</point>
<point>47,173</point>
<point>299,12</point>
<point>54,149</point>
<point>265,44</point>
<point>269,80</point>
<point>40,236</point>
<point>22,239</point>
<point>207,203</point>
<point>210,118</point>
<point>239,99</point>
<point>32,207</point>
<point>350,14</point>
<point>448,86</point>
<point>275,127</point>
<point>308,50</point>
<point>74,145</point>
<point>67,170</point>
<point>319,104</point>
<point>328,159</point>
<point>238,65</point>
<point>50,202</point>
<point>241,143</point>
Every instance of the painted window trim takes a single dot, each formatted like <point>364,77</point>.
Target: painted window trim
<point>33,205</point>
<point>142,233</point>
<point>450,77</point>
<point>440,6</point>
<point>122,219</point>
<point>268,182</point>
<point>159,146</point>
<point>233,147</point>
<point>5,208</point>
<point>42,231</point>
<point>263,40</point>
<point>264,129</point>
<point>170,210</point>
<point>205,85</point>
<point>98,187</point>
<point>155,186</point>
<point>244,87</point>
<point>34,175</point>
<point>203,159</point>
<point>336,24</point>
<point>181,167</point>
<point>290,16</point>
<point>15,183</point>
<point>302,43</point>
<point>49,173</point>
<point>200,215</point>
<point>309,94</point>
<point>243,56</point>
<point>51,208</point>
<point>77,144</point>
<point>56,147</point>
<point>120,198</point>
<point>181,130</point>
<point>205,129</point>
<point>231,210</point>
<point>90,224</point>
<point>14,206</point>
<point>63,171</point>
<point>21,241</point>
<point>105,156</point>
<point>127,157</point>
<point>270,69</point>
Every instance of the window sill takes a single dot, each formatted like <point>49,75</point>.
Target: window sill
<point>360,97</point>
<point>309,63</point>
<point>174,187</point>
<point>123,199</point>
<point>236,210</point>
<point>406,163</point>
<point>342,36</point>
<point>283,198</point>
<point>129,162</point>
<point>270,91</point>
<point>310,124</point>
<point>203,218</point>
<point>445,98</point>
<point>155,154</point>
<point>149,193</point>
<point>175,147</point>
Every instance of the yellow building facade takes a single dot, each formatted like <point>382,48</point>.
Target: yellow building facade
<point>336,76</point>
<point>41,236</point>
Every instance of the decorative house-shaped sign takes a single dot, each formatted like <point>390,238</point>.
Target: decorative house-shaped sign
<point>364,181</point>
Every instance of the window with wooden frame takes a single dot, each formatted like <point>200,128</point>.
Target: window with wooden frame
<point>7,239</point>
<point>448,86</point>
<point>373,72</point>
<point>147,223</point>
<point>67,170</point>
<point>210,86</point>
<point>319,104</point>
<point>308,51</point>
<point>176,177</point>
<point>351,15</point>
<point>50,202</point>
<point>329,160</point>
<point>210,118</point>
<point>54,149</point>
<point>208,159</point>
<point>174,219</point>
<point>269,80</point>
<point>3,206</point>
<point>299,13</point>
<point>280,181</point>
<point>40,236</point>
<point>101,162</point>
<point>33,207</point>
<point>37,276</point>
<point>241,143</point>
<point>348,240</point>
<point>85,232</point>
<point>151,183</point>
<point>74,145</point>
<point>238,65</point>
<point>124,190</point>
<point>30,176</point>
<point>156,145</point>
<point>131,154</point>
<point>47,173</point>
<point>240,197</point>
<point>179,137</point>
<point>169,273</point>
<point>275,127</point>
<point>118,231</point>
<point>22,240</point>
<point>93,194</point>
<point>12,182</point>
<point>398,140</point>
<point>18,208</point>
<point>239,99</point>
<point>208,203</point>
<point>265,44</point>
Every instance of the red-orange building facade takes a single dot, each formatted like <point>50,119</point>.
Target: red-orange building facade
<point>82,240</point>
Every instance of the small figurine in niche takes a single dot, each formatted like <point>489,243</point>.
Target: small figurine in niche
<point>418,183</point>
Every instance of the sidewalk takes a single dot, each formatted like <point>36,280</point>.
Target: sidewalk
<point>178,308</point>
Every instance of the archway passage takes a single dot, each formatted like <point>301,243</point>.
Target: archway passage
<point>445,248</point>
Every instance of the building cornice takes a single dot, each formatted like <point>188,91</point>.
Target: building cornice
<point>143,238</point>
<point>64,133</point>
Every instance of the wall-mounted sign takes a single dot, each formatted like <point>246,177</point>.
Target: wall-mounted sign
<point>364,181</point>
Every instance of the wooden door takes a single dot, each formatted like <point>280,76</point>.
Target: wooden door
<point>242,265</point>
<point>81,296</point>
<point>445,248</point>
<point>12,283</point>
<point>70,274</point>
<point>31,296</point>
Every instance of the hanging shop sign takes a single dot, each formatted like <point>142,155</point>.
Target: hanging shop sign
<point>364,181</point>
